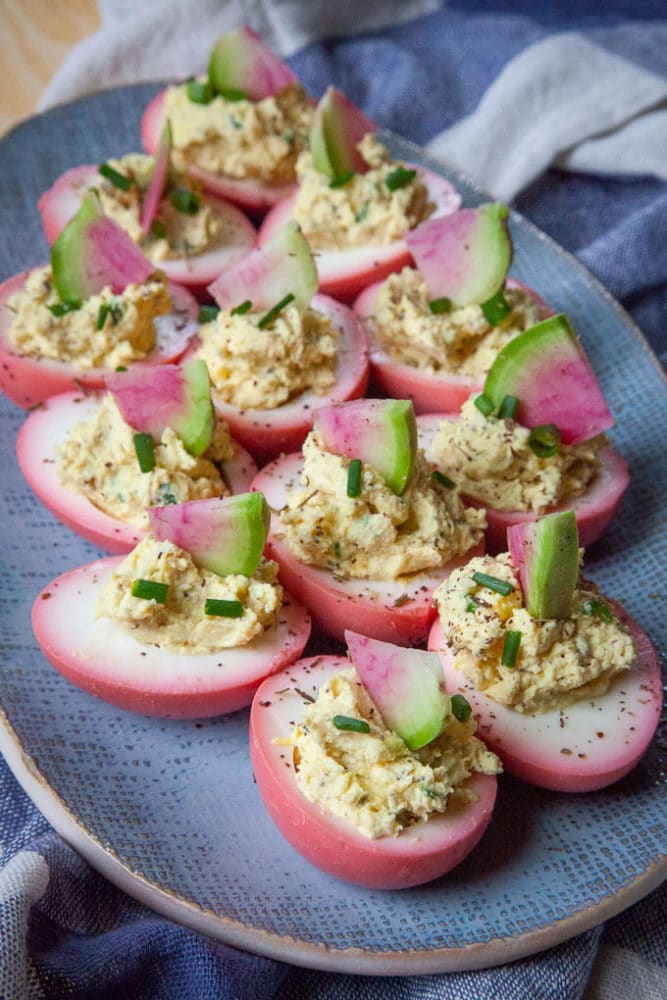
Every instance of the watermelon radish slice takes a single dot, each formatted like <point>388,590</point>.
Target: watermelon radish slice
<point>29,380</point>
<point>177,397</point>
<point>158,181</point>
<point>252,195</point>
<point>240,61</point>
<point>407,685</point>
<point>63,199</point>
<point>547,370</point>
<point>225,535</point>
<point>282,265</point>
<point>583,747</point>
<point>105,659</point>
<point>430,392</point>
<point>418,854</point>
<point>265,433</point>
<point>464,256</point>
<point>338,127</point>
<point>593,510</point>
<point>380,432</point>
<point>92,252</point>
<point>344,273</point>
<point>39,440</point>
<point>546,555</point>
<point>399,611</point>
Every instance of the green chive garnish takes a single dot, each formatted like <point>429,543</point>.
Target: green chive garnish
<point>143,446</point>
<point>471,604</point>
<point>442,479</point>
<point>598,610</point>
<point>440,306</point>
<point>158,229</point>
<point>200,91</point>
<point>510,648</point>
<point>102,314</point>
<point>62,308</point>
<point>484,404</point>
<point>342,179</point>
<point>166,495</point>
<point>354,478</point>
<point>361,214</point>
<point>544,440</point>
<point>150,590</point>
<point>350,725</point>
<point>208,313</point>
<point>244,307</point>
<point>508,408</point>
<point>399,177</point>
<point>269,317</point>
<point>184,200</point>
<point>117,179</point>
<point>461,710</point>
<point>121,368</point>
<point>496,309</point>
<point>232,94</point>
<point>223,609</point>
<point>493,583</point>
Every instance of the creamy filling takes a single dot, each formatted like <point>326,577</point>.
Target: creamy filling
<point>376,535</point>
<point>558,662</point>
<point>460,341</point>
<point>491,461</point>
<point>363,212</point>
<point>373,780</point>
<point>180,624</point>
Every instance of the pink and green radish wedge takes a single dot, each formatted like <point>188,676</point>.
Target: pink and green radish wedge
<point>102,657</point>
<point>595,741</point>
<point>149,399</point>
<point>241,65</point>
<point>91,253</point>
<point>546,370</point>
<point>421,852</point>
<point>464,258</point>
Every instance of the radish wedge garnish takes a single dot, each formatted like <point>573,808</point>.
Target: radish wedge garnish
<point>465,256</point>
<point>546,555</point>
<point>93,252</point>
<point>158,180</point>
<point>169,396</point>
<point>338,128</point>
<point>547,370</point>
<point>241,65</point>
<point>283,265</point>
<point>407,685</point>
<point>225,535</point>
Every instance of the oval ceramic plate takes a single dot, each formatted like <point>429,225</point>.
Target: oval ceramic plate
<point>168,810</point>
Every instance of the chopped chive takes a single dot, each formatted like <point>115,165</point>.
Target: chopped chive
<point>242,308</point>
<point>150,590</point>
<point>440,306</point>
<point>508,408</point>
<point>269,317</point>
<point>223,609</point>
<point>235,122</point>
<point>510,648</point>
<point>184,200</point>
<point>341,179</point>
<point>361,213</point>
<point>544,440</point>
<point>102,314</point>
<point>62,308</point>
<point>493,583</point>
<point>485,405</point>
<point>121,368</point>
<point>598,610</point>
<point>158,229</point>
<point>350,725</point>
<point>461,710</point>
<point>166,495</point>
<point>442,479</point>
<point>200,91</point>
<point>208,313</point>
<point>117,179</point>
<point>116,308</point>
<point>496,309</point>
<point>399,177</point>
<point>354,478</point>
<point>143,446</point>
<point>337,550</point>
<point>471,604</point>
<point>232,94</point>
<point>432,794</point>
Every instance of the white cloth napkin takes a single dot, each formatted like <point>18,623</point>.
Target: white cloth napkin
<point>562,101</point>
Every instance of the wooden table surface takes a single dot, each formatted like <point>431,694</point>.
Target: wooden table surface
<point>36,37</point>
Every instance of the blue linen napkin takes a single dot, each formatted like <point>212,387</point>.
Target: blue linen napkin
<point>64,931</point>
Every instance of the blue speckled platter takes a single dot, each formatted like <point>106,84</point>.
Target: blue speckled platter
<point>168,810</point>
